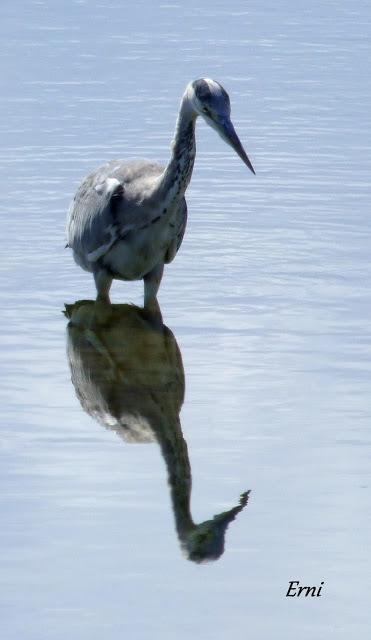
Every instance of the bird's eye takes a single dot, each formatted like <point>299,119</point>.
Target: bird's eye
<point>206,111</point>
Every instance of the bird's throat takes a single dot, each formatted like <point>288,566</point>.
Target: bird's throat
<point>175,179</point>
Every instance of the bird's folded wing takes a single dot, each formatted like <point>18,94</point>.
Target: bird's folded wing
<point>94,224</point>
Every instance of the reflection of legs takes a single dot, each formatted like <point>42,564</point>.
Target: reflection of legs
<point>103,310</point>
<point>152,281</point>
<point>103,281</point>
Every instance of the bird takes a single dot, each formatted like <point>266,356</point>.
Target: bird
<point>128,218</point>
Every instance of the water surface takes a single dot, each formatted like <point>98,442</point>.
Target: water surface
<point>268,302</point>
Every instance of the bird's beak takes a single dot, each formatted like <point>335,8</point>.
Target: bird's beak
<point>227,131</point>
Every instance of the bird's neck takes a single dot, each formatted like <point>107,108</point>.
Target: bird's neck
<point>175,179</point>
<point>175,452</point>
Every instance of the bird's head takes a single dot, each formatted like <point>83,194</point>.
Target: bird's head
<point>211,101</point>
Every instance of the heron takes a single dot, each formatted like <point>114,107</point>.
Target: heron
<point>128,218</point>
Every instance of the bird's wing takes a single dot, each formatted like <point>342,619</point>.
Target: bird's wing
<point>98,215</point>
<point>92,228</point>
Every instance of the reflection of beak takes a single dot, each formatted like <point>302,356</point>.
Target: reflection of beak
<point>226,130</point>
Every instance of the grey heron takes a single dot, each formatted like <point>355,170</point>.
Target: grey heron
<point>127,219</point>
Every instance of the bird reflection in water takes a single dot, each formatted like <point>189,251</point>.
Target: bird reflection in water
<point>128,374</point>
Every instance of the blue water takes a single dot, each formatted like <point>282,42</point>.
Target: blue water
<point>268,301</point>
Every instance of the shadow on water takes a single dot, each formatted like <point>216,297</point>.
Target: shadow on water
<point>128,374</point>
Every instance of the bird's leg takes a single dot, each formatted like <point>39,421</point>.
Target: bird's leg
<point>103,281</point>
<point>103,309</point>
<point>152,281</point>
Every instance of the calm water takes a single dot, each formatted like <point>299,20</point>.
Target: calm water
<point>268,312</point>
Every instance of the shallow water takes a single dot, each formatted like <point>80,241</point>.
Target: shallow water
<point>268,302</point>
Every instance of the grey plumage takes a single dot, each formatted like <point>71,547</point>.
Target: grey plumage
<point>128,218</point>
<point>105,211</point>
